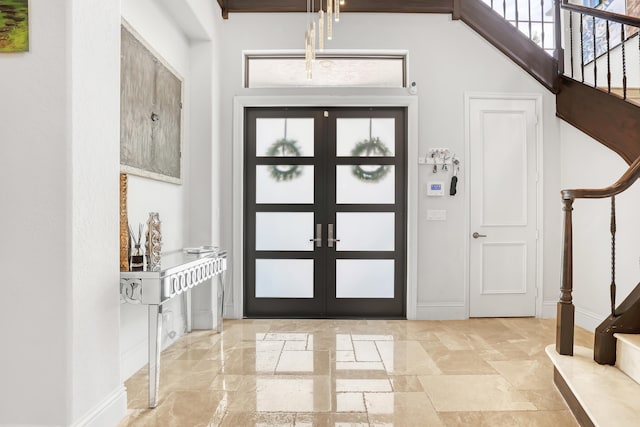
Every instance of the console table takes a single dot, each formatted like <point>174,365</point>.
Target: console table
<point>180,272</point>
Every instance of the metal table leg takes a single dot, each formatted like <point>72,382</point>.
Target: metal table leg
<point>218,306</point>
<point>155,343</point>
<point>186,308</point>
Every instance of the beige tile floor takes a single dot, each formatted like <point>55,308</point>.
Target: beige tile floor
<point>477,372</point>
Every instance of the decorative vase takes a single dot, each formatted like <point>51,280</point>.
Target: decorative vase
<point>154,242</point>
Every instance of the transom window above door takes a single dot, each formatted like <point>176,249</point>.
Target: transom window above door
<point>277,70</point>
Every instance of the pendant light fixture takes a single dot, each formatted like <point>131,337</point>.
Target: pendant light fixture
<point>324,29</point>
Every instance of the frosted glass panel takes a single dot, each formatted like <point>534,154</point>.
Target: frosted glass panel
<point>351,132</point>
<point>365,231</point>
<point>505,169</point>
<point>364,278</point>
<point>269,71</point>
<point>295,190</point>
<point>350,188</point>
<point>284,231</point>
<point>284,278</point>
<point>299,133</point>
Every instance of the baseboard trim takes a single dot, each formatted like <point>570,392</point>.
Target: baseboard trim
<point>202,319</point>
<point>133,359</point>
<point>229,312</point>
<point>108,412</point>
<point>549,309</point>
<point>584,318</point>
<point>588,319</point>
<point>441,311</point>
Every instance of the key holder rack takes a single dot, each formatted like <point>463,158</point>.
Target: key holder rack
<point>440,158</point>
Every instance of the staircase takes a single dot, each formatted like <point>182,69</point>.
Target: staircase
<point>628,350</point>
<point>601,387</point>
<point>601,395</point>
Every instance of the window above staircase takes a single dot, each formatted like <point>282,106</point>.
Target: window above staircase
<point>534,18</point>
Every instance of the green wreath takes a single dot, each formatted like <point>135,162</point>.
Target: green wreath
<point>370,147</point>
<point>284,148</point>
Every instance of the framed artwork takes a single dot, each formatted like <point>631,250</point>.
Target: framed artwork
<point>151,119</point>
<point>14,25</point>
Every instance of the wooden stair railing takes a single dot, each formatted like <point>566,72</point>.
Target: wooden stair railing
<point>596,64</point>
<point>514,44</point>
<point>606,118</point>
<point>566,310</point>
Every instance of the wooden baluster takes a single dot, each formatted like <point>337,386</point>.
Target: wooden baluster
<point>530,19</point>
<point>566,310</point>
<point>624,63</point>
<point>542,21</point>
<point>595,52</point>
<point>558,51</point>
<point>613,256</point>
<point>608,60</point>
<point>571,40</point>
<point>582,46</point>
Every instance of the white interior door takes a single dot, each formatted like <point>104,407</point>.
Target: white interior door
<point>502,182</point>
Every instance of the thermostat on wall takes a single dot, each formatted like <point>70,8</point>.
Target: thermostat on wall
<point>435,189</point>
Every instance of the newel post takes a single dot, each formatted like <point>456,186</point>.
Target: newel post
<point>558,52</point>
<point>566,309</point>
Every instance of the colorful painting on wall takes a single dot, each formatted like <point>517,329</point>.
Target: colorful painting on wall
<point>14,25</point>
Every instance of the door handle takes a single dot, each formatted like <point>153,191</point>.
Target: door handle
<point>330,239</point>
<point>318,238</point>
<point>476,235</point>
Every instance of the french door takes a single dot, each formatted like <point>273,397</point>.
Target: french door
<point>325,201</point>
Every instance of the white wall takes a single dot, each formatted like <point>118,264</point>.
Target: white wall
<point>59,151</point>
<point>35,248</point>
<point>588,164</point>
<point>183,33</point>
<point>94,85</point>
<point>447,60</point>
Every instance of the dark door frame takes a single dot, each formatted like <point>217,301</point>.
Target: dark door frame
<point>325,209</point>
<point>235,171</point>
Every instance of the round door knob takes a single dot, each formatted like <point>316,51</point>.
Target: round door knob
<point>476,235</point>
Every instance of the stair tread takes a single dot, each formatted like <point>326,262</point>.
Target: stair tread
<point>590,382</point>
<point>630,339</point>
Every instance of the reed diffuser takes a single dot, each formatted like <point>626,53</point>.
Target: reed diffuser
<point>137,255</point>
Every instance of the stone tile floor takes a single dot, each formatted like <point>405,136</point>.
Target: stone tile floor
<point>477,372</point>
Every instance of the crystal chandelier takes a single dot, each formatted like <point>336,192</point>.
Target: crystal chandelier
<point>324,28</point>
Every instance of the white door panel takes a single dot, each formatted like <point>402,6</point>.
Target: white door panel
<point>502,168</point>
